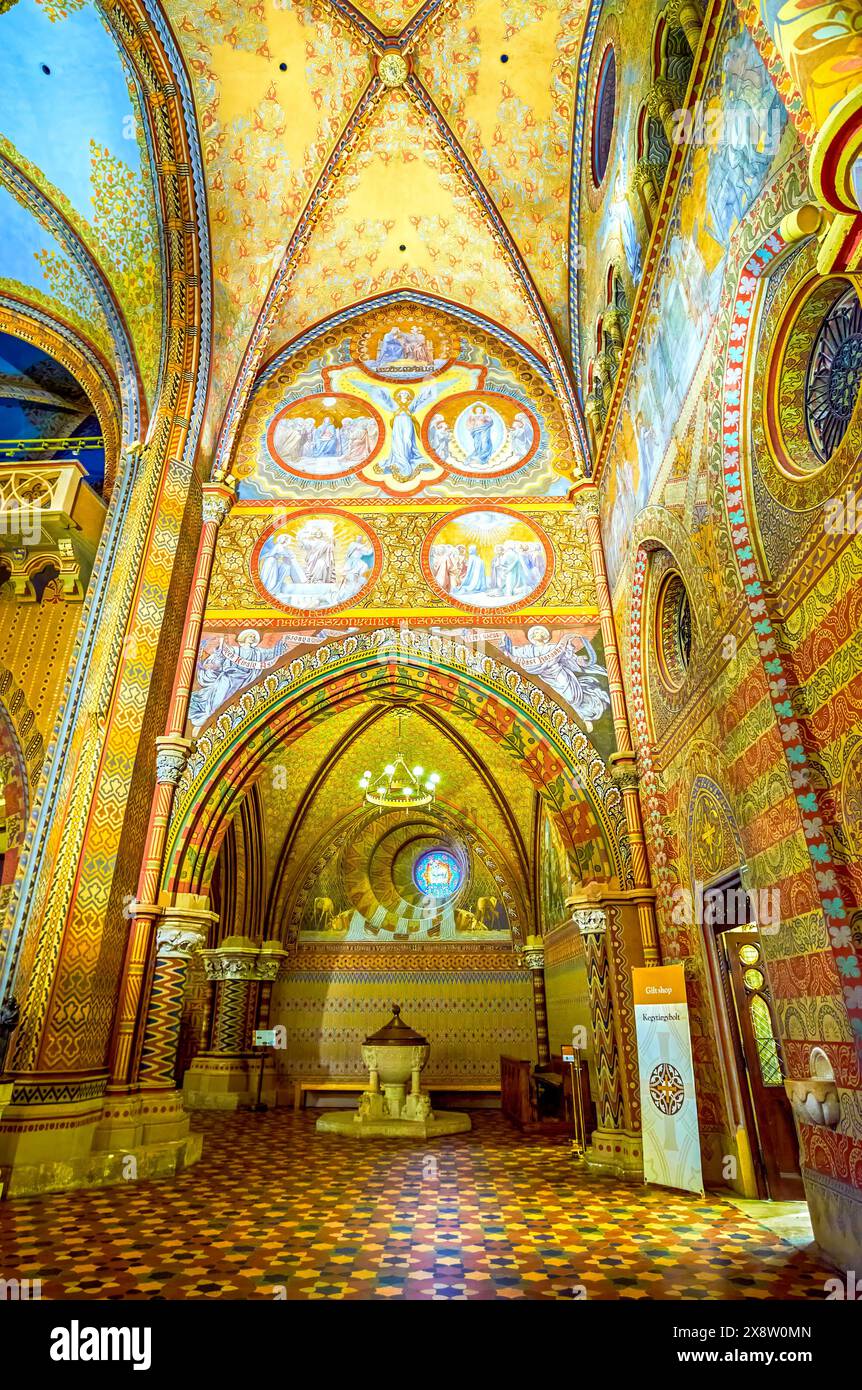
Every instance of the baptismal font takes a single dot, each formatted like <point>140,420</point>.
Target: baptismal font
<point>394,1056</point>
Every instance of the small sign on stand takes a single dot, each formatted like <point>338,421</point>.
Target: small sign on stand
<point>572,1055</point>
<point>262,1037</point>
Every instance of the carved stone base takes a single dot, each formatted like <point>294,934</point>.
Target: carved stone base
<point>617,1152</point>
<point>226,1080</point>
<point>102,1168</point>
<point>356,1126</point>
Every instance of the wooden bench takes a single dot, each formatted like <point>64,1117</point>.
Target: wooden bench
<point>301,1088</point>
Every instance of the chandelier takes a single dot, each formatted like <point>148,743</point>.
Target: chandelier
<point>398,786</point>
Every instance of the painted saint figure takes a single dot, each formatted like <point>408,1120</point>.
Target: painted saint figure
<point>480,426</point>
<point>572,674</point>
<point>226,669</point>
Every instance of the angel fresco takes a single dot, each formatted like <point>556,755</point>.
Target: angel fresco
<point>571,673</point>
<point>406,458</point>
<point>225,668</point>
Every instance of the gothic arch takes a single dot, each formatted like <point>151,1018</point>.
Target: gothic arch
<point>557,758</point>
<point>63,343</point>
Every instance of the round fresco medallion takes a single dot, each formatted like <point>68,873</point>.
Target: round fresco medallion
<point>315,561</point>
<point>404,346</point>
<point>492,559</point>
<point>481,435</point>
<point>325,436</point>
<point>666,1089</point>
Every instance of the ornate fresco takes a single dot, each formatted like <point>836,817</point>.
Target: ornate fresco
<point>86,179</point>
<point>406,401</point>
<point>718,186</point>
<point>401,561</point>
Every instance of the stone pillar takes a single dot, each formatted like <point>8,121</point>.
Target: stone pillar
<point>534,959</point>
<point>616,1142</point>
<point>172,748</point>
<point>149,1112</point>
<point>176,940</point>
<point>225,1076</point>
<point>171,752</point>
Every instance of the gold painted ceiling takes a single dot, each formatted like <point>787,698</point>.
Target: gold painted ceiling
<point>348,151</point>
<point>447,173</point>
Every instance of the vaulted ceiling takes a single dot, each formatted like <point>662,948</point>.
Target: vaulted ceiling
<point>347,151</point>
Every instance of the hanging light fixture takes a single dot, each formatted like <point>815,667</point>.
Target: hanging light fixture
<point>398,786</point>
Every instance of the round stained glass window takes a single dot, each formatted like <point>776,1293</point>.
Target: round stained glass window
<point>438,873</point>
<point>834,375</point>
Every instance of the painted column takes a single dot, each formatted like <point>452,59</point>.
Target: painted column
<point>819,44</point>
<point>225,1075</point>
<point>217,502</point>
<point>150,1112</point>
<point>623,763</point>
<point>180,933</point>
<point>534,958</point>
<point>172,750</point>
<point>615,1145</point>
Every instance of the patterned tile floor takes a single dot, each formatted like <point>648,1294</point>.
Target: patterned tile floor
<point>275,1210</point>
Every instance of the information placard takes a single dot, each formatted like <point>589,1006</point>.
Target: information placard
<point>671,1141</point>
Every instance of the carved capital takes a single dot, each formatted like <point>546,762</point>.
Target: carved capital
<point>590,921</point>
<point>177,941</point>
<point>171,755</point>
<point>217,502</point>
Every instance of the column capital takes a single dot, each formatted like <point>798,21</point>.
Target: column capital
<point>586,499</point>
<point>624,770</point>
<point>218,498</point>
<point>590,921</point>
<point>178,942</point>
<point>533,953</point>
<point>240,958</point>
<point>171,755</point>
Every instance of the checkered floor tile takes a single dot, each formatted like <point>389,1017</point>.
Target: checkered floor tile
<point>274,1210</point>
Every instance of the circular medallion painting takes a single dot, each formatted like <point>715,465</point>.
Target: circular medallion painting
<point>325,436</point>
<point>314,561</point>
<point>487,559</point>
<point>481,435</point>
<point>406,347</point>
<point>437,873</point>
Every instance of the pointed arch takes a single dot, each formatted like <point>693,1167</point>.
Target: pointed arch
<point>558,760</point>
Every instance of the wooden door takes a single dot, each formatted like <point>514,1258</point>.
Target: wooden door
<point>741,953</point>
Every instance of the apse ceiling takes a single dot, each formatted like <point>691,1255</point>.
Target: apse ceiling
<point>310,787</point>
